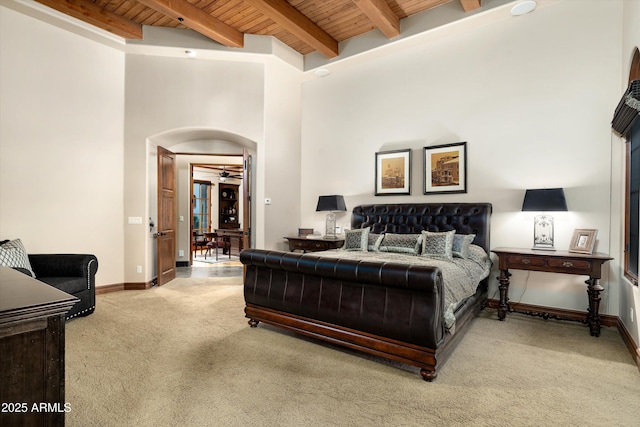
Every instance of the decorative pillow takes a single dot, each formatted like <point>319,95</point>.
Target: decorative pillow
<point>401,243</point>
<point>461,243</point>
<point>356,240</point>
<point>438,245</point>
<point>374,241</point>
<point>13,254</point>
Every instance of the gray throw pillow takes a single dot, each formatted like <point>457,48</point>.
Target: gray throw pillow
<point>13,254</point>
<point>356,240</point>
<point>374,241</point>
<point>400,243</point>
<point>461,243</point>
<point>438,245</point>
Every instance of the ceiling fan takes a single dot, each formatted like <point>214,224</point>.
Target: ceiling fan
<point>224,171</point>
<point>224,175</point>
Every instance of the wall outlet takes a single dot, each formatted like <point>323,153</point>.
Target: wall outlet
<point>180,252</point>
<point>139,269</point>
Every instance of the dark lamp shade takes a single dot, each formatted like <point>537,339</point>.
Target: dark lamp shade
<point>331,203</point>
<point>545,200</point>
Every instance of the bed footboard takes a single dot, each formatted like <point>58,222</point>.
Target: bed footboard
<point>389,310</point>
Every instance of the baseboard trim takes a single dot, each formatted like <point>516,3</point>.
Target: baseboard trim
<point>138,286</point>
<point>105,289</point>
<point>128,286</point>
<point>577,316</point>
<point>631,345</point>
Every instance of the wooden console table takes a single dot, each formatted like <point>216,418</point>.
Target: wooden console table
<point>313,245</point>
<point>553,262</point>
<point>32,351</point>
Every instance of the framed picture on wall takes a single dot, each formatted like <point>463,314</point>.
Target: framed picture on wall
<point>393,172</point>
<point>445,168</point>
<point>583,240</point>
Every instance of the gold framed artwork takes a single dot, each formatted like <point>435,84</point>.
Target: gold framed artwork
<point>445,168</point>
<point>393,172</point>
<point>583,240</point>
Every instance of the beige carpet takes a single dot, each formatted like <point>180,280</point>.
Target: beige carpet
<point>183,355</point>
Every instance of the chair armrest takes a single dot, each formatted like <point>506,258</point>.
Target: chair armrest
<point>65,265</point>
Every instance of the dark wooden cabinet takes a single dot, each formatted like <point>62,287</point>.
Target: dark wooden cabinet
<point>228,216</point>
<point>32,351</point>
<point>313,245</point>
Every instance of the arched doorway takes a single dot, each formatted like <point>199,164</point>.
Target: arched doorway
<point>189,143</point>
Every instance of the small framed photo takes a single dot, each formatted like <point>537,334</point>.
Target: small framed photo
<point>583,240</point>
<point>445,168</point>
<point>393,172</point>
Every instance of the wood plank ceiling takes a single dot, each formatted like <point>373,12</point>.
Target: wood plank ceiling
<point>305,25</point>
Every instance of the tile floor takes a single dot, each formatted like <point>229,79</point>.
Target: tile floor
<point>231,268</point>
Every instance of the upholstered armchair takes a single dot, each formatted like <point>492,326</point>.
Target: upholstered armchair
<point>74,274</point>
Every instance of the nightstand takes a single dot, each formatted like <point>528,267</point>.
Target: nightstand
<point>313,245</point>
<point>553,262</point>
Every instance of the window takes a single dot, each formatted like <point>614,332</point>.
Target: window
<point>632,244</point>
<point>631,223</point>
<point>201,206</point>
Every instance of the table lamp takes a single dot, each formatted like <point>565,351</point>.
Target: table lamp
<point>331,204</point>
<point>544,200</point>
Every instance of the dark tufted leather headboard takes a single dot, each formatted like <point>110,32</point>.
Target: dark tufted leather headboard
<point>465,218</point>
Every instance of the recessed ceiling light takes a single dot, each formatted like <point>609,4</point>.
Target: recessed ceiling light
<point>523,7</point>
<point>191,53</point>
<point>322,72</point>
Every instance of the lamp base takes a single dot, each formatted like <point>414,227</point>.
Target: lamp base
<point>543,233</point>
<point>330,228</point>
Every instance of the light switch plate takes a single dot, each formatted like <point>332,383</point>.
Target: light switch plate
<point>135,220</point>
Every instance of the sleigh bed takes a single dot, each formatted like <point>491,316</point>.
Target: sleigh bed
<point>394,290</point>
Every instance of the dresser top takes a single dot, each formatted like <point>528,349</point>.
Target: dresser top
<point>25,297</point>
<point>547,253</point>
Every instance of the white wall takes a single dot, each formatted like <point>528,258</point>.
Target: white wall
<point>281,155</point>
<point>533,96</point>
<point>61,149</point>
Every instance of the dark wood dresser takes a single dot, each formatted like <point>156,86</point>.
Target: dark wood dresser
<point>31,351</point>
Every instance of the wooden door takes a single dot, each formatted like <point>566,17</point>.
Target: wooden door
<point>246,197</point>
<point>166,216</point>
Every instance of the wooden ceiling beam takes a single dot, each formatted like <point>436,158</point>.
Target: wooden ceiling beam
<point>379,12</point>
<point>88,12</point>
<point>198,20</point>
<point>469,5</point>
<point>297,24</point>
